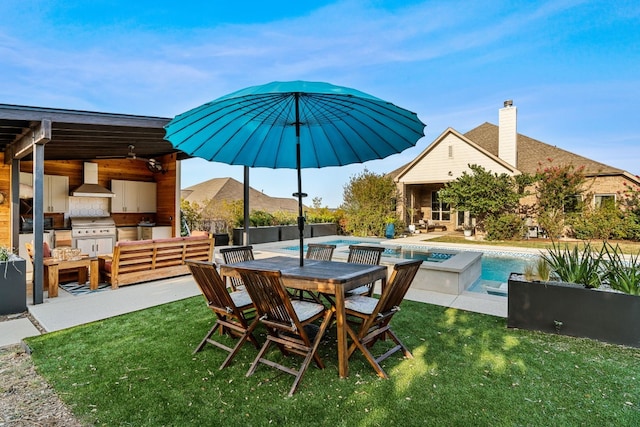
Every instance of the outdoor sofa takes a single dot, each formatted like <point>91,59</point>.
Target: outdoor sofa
<point>144,260</point>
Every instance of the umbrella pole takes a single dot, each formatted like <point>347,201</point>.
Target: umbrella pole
<point>299,194</point>
<point>245,234</point>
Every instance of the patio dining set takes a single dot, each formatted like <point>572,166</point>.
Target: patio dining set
<point>297,304</point>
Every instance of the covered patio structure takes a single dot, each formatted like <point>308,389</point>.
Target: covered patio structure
<point>44,140</point>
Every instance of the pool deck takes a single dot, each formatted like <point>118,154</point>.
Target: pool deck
<point>68,310</point>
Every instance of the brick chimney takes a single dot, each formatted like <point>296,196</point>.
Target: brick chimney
<point>507,133</point>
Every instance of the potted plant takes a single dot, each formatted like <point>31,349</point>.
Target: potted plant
<point>467,229</point>
<point>579,292</point>
<point>13,289</point>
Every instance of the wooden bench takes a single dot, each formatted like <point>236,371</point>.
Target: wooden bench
<point>144,260</point>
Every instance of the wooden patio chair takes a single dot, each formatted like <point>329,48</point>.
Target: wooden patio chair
<point>375,314</point>
<point>233,310</point>
<point>288,322</point>
<point>232,255</point>
<point>319,252</point>
<point>362,254</point>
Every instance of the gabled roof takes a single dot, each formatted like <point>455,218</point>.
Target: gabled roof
<point>399,172</point>
<point>531,152</point>
<point>219,189</point>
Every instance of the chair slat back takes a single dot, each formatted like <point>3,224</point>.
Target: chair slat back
<point>393,294</point>
<point>361,254</point>
<point>234,254</point>
<point>395,291</point>
<point>320,252</point>
<point>212,287</point>
<point>270,298</point>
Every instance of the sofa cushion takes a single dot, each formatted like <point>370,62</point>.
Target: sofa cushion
<point>133,242</point>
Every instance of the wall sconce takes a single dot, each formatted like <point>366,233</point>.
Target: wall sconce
<point>450,173</point>
<point>3,197</point>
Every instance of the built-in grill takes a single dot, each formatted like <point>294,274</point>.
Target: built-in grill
<point>94,235</point>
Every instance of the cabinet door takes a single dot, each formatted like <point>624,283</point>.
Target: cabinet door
<point>162,232</point>
<point>146,233</point>
<point>55,196</point>
<point>146,196</point>
<point>103,246</point>
<point>125,199</point>
<point>56,193</point>
<point>86,246</point>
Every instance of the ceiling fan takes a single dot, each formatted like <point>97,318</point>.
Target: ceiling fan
<point>152,164</point>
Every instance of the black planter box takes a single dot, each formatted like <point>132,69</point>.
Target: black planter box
<point>291,232</point>
<point>257,235</point>
<point>324,229</point>
<point>221,239</point>
<point>574,310</point>
<point>13,286</point>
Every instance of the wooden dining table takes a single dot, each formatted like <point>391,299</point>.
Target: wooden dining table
<point>329,277</point>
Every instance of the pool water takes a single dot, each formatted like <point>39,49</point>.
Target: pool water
<point>495,267</point>
<point>495,273</point>
<point>338,242</point>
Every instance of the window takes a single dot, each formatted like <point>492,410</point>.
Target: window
<point>573,203</point>
<point>440,211</point>
<point>451,151</point>
<point>604,200</point>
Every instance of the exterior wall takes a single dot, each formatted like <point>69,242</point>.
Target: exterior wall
<point>5,208</point>
<point>607,185</point>
<point>451,154</point>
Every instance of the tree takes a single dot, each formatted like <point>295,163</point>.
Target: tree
<point>558,191</point>
<point>190,215</point>
<point>369,200</point>
<point>483,193</point>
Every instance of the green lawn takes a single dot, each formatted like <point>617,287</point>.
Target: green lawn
<point>626,246</point>
<point>469,369</point>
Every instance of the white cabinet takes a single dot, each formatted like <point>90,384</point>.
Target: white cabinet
<point>56,191</point>
<point>95,247</point>
<point>146,196</point>
<point>148,233</point>
<point>133,196</point>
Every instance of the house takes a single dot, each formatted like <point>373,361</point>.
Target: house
<point>218,189</point>
<point>500,149</point>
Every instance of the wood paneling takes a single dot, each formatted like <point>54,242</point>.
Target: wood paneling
<point>123,169</point>
<point>5,208</point>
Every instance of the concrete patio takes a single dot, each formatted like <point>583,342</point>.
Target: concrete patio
<point>69,310</point>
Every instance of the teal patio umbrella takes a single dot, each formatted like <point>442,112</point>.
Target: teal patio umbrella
<point>295,125</point>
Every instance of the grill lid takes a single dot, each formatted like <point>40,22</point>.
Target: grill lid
<point>92,222</point>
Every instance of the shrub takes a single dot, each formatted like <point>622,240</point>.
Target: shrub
<point>504,227</point>
<point>574,265</point>
<point>543,269</point>
<point>261,218</point>
<point>622,274</point>
<point>602,223</point>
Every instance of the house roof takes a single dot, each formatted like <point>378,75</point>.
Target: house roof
<point>219,189</point>
<point>531,152</point>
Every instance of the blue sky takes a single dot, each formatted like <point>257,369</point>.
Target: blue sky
<point>571,67</point>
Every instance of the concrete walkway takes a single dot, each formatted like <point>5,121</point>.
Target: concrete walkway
<point>68,310</point>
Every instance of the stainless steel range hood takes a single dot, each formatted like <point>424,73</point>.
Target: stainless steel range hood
<point>90,186</point>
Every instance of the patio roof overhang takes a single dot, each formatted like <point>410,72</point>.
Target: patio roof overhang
<point>80,135</point>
